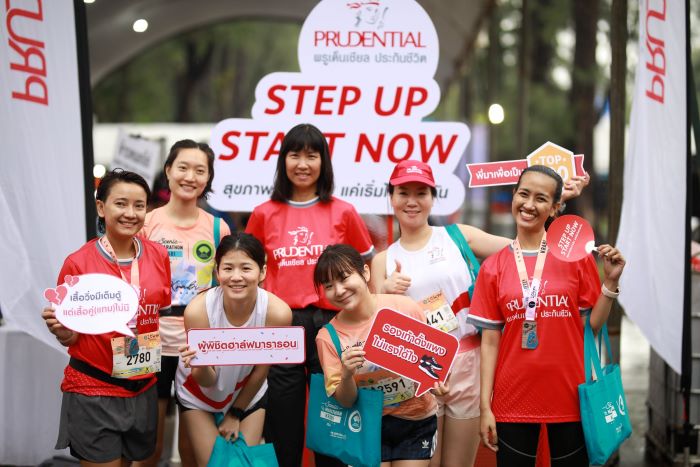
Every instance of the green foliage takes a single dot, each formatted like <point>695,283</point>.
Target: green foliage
<point>205,75</point>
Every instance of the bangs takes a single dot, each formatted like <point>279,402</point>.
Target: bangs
<point>332,268</point>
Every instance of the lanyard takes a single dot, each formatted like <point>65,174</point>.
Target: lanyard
<point>134,279</point>
<point>530,289</point>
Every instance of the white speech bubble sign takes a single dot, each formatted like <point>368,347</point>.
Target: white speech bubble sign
<point>247,346</point>
<point>94,304</point>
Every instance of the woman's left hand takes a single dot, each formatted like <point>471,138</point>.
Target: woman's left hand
<point>229,427</point>
<point>613,262</point>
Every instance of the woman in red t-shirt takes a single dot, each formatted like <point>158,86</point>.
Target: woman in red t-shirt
<point>301,219</point>
<point>108,416</point>
<point>531,307</point>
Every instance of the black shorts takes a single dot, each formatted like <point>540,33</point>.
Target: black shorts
<point>260,404</point>
<point>103,428</point>
<point>408,439</point>
<point>166,376</point>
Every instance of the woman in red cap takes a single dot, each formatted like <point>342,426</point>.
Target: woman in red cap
<point>427,265</point>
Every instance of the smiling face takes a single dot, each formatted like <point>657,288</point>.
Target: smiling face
<point>349,290</point>
<point>239,275</point>
<point>188,174</point>
<point>124,210</point>
<point>303,168</point>
<point>412,203</point>
<point>533,201</point>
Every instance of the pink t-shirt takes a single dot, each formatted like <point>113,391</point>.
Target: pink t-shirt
<point>191,251</point>
<point>399,400</point>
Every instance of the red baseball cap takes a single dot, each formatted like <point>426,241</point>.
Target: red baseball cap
<point>412,171</point>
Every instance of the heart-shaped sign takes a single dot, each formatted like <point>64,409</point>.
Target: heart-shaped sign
<point>71,280</point>
<point>570,238</point>
<point>56,295</point>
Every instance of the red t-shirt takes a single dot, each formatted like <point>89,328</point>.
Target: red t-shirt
<point>154,275</point>
<point>295,235</point>
<point>540,385</point>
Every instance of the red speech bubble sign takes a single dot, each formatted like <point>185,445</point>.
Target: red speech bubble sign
<point>570,238</point>
<point>410,348</point>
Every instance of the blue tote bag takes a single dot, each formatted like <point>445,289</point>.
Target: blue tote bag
<point>353,434</point>
<point>604,415</point>
<point>238,454</point>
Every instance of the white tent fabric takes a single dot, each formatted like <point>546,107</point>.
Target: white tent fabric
<point>652,225</point>
<point>42,207</point>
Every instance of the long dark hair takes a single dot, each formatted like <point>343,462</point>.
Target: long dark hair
<point>110,179</point>
<point>244,242</point>
<point>336,262</point>
<point>189,144</point>
<point>303,136</point>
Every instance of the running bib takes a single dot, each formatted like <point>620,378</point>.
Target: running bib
<point>136,356</point>
<point>396,389</point>
<point>438,313</point>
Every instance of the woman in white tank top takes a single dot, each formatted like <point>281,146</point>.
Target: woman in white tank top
<point>238,391</point>
<point>426,265</point>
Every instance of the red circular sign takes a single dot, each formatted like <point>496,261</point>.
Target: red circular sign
<point>570,238</point>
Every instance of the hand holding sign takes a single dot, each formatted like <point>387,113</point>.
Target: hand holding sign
<point>92,304</point>
<point>411,348</point>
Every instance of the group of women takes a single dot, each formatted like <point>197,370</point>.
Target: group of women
<point>494,387</point>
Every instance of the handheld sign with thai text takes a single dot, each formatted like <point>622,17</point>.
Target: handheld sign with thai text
<point>94,303</point>
<point>570,238</point>
<point>410,348</point>
<point>247,346</point>
<point>562,161</point>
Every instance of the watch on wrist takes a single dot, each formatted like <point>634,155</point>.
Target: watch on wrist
<point>236,412</point>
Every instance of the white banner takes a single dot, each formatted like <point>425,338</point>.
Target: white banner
<point>41,195</point>
<point>652,225</point>
<point>367,82</point>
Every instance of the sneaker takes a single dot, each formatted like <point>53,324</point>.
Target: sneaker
<point>427,368</point>
<point>433,362</point>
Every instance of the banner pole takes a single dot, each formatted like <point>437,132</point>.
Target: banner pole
<point>686,360</point>
<point>389,229</point>
<point>81,44</point>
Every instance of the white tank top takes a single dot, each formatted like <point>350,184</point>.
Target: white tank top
<point>437,269</point>
<point>229,379</point>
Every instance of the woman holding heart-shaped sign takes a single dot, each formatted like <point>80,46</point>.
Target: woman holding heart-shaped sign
<point>109,409</point>
<point>531,306</point>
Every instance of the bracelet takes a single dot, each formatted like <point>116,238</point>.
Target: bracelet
<point>236,412</point>
<point>609,293</point>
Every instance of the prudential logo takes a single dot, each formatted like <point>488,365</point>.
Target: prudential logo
<point>355,421</point>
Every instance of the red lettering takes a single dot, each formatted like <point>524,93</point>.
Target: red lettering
<point>318,37</point>
<point>345,100</point>
<point>322,99</point>
<point>36,16</point>
<point>653,66</point>
<point>256,135</point>
<point>28,96</point>
<point>413,101</point>
<point>25,54</point>
<point>300,101</point>
<point>378,102</point>
<point>277,100</point>
<point>443,153</point>
<point>392,147</point>
<point>226,141</point>
<point>364,143</point>
<point>274,149</point>
<point>656,93</point>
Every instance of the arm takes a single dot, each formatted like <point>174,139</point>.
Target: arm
<point>230,425</point>
<point>483,244</point>
<point>490,341</point>
<point>613,264</point>
<point>346,392</point>
<point>196,317</point>
<point>574,187</point>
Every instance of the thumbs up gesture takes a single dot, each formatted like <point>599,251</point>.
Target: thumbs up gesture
<point>396,283</point>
